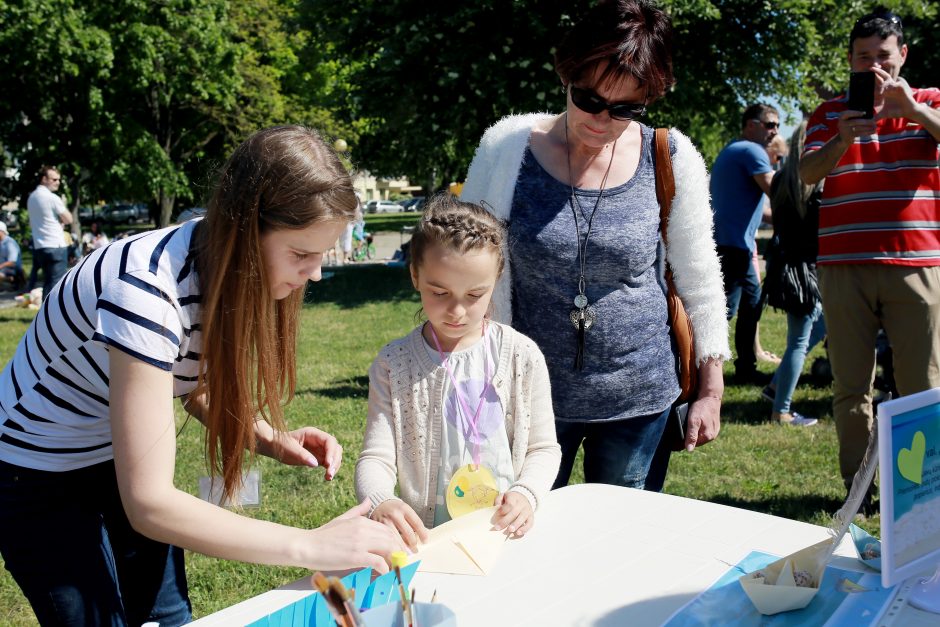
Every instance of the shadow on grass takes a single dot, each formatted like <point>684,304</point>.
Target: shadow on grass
<point>12,319</point>
<point>755,410</point>
<point>358,285</point>
<point>796,506</point>
<point>356,387</point>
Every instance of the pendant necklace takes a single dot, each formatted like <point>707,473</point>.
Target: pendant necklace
<point>473,486</point>
<point>583,316</point>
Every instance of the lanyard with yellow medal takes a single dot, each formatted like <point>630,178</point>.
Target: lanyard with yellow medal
<point>473,486</point>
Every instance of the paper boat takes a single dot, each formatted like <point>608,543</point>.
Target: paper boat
<point>463,546</point>
<point>868,547</point>
<point>773,589</point>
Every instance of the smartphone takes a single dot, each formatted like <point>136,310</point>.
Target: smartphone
<point>682,419</point>
<point>862,93</point>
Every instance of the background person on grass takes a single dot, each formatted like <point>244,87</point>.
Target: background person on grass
<point>879,246</point>
<point>496,411</point>
<point>796,222</point>
<point>578,191</point>
<point>91,526</point>
<point>47,215</point>
<point>741,175</point>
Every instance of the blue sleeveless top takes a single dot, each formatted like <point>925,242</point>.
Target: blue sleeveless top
<point>629,368</point>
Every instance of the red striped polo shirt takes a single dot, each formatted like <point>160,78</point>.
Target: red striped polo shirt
<point>881,203</point>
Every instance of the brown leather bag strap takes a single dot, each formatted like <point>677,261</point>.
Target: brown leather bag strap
<point>665,181</point>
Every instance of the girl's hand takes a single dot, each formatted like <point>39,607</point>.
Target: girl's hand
<point>399,516</point>
<point>353,541</point>
<point>514,514</point>
<point>306,446</point>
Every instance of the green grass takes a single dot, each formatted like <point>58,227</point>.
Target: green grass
<point>754,464</point>
<point>376,222</point>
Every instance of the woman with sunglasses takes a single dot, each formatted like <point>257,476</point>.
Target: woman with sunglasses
<point>584,270</point>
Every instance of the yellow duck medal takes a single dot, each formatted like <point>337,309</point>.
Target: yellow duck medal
<point>473,486</point>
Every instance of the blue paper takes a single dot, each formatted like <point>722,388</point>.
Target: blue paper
<point>726,603</point>
<point>319,613</point>
<point>358,582</point>
<point>862,539</point>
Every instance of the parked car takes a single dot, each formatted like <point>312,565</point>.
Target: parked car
<point>382,206</point>
<point>125,213</point>
<point>413,204</point>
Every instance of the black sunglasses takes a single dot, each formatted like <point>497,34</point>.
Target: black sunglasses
<point>768,125</point>
<point>589,102</point>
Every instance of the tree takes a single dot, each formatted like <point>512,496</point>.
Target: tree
<point>137,99</point>
<point>429,79</point>
<point>56,61</point>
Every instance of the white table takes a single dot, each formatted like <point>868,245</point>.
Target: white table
<point>602,555</point>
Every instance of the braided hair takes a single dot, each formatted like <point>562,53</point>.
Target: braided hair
<point>458,226</point>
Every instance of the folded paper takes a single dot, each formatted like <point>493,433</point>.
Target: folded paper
<point>789,583</point>
<point>868,547</point>
<point>464,546</point>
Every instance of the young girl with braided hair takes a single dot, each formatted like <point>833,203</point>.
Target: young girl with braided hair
<point>460,412</point>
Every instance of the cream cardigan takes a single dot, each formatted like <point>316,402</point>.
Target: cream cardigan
<point>405,422</point>
<point>691,250</point>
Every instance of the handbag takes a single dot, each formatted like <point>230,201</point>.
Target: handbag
<point>790,286</point>
<point>679,323</point>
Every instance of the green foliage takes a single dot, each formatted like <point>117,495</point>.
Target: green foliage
<point>426,80</point>
<point>142,100</point>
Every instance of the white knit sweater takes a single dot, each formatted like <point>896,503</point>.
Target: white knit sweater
<point>691,249</point>
<point>405,423</point>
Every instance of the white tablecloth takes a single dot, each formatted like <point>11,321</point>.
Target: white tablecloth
<point>603,555</point>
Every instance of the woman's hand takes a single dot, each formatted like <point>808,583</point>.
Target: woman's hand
<point>399,516</point>
<point>306,446</point>
<point>705,412</point>
<point>353,541</point>
<point>515,514</point>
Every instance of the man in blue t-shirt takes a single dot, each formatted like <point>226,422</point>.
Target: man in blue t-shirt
<point>741,176</point>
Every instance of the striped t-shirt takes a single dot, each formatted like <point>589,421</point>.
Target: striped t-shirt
<point>138,294</point>
<point>881,203</point>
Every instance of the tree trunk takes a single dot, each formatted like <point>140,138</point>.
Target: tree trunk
<point>167,202</point>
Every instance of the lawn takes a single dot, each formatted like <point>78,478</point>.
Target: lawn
<point>754,464</point>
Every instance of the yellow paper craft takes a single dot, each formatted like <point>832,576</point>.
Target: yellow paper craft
<point>773,589</point>
<point>463,546</point>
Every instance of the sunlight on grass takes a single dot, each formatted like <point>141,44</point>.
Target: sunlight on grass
<point>754,464</point>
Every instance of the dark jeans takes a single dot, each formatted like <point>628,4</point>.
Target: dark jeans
<point>53,262</point>
<point>742,294</point>
<point>621,452</point>
<point>68,544</point>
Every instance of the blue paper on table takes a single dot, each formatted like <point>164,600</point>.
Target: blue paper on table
<point>312,610</point>
<point>385,588</point>
<point>834,606</point>
<point>867,546</point>
<point>358,582</point>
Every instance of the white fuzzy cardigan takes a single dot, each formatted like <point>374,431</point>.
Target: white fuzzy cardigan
<point>691,249</point>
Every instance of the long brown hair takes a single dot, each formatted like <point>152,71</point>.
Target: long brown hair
<point>279,178</point>
<point>791,191</point>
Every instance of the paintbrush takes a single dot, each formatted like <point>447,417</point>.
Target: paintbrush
<point>399,559</point>
<point>337,600</point>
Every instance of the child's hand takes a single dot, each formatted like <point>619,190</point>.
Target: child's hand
<point>400,517</point>
<point>515,514</point>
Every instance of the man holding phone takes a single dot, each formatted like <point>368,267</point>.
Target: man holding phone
<point>879,228</point>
